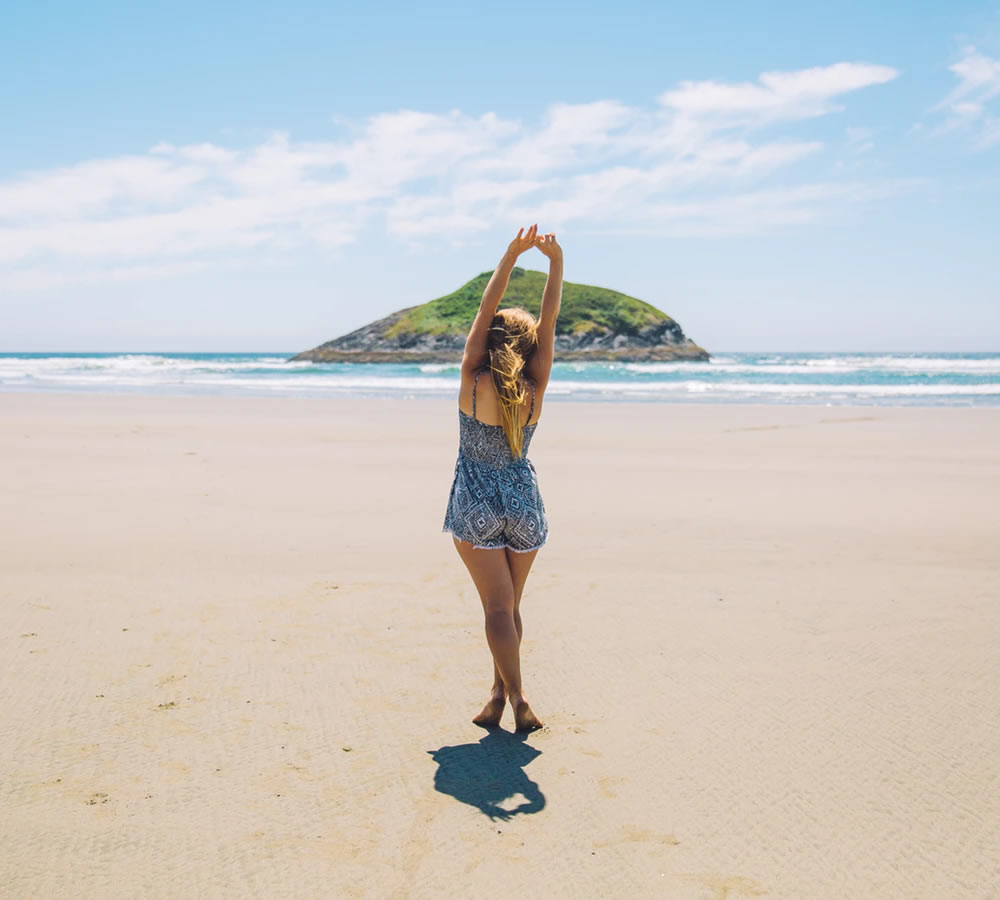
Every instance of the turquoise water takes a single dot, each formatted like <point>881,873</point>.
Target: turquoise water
<point>935,379</point>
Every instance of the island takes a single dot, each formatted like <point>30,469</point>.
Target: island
<point>594,324</point>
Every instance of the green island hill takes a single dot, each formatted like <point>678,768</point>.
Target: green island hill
<point>594,324</point>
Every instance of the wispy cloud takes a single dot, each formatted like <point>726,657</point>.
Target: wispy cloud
<point>777,95</point>
<point>968,106</point>
<point>692,161</point>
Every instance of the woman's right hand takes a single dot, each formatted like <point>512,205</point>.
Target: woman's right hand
<point>547,244</point>
<point>523,242</point>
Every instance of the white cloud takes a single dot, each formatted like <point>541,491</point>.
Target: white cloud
<point>41,279</point>
<point>691,159</point>
<point>572,135</point>
<point>778,95</point>
<point>979,75</point>
<point>90,188</point>
<point>967,107</point>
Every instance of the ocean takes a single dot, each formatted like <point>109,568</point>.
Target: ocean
<point>825,379</point>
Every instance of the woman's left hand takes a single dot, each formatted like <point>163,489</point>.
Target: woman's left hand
<point>523,241</point>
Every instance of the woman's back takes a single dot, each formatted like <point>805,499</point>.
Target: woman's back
<point>481,442</point>
<point>481,391</point>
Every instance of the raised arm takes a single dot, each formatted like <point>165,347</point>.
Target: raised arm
<point>475,344</point>
<point>540,365</point>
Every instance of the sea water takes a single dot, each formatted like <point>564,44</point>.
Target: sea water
<point>934,379</point>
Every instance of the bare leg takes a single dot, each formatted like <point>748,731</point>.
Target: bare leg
<point>520,565</point>
<point>491,574</point>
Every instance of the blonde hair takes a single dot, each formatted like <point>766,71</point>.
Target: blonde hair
<point>513,338</point>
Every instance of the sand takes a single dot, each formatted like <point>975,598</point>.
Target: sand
<point>240,658</point>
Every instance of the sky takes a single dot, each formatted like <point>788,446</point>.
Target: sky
<point>255,177</point>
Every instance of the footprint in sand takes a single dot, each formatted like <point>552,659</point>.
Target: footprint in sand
<point>326,585</point>
<point>728,888</point>
<point>170,705</point>
<point>99,797</point>
<point>609,785</point>
<point>853,419</point>
<point>634,834</point>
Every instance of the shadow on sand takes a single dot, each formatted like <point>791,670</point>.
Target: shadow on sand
<point>489,774</point>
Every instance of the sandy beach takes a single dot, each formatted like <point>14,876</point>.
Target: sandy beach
<point>240,658</point>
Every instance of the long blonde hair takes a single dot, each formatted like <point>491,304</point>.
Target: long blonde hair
<point>513,338</point>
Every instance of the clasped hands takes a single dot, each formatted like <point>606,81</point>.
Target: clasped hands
<point>544,242</point>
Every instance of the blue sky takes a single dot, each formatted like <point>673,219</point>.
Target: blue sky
<point>243,177</point>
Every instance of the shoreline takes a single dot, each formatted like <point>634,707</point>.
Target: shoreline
<point>568,399</point>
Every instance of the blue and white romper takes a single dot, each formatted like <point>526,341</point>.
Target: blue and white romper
<point>494,499</point>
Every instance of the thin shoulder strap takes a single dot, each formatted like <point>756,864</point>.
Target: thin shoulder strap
<point>531,411</point>
<point>475,381</point>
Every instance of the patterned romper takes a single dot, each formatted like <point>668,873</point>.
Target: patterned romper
<point>494,499</point>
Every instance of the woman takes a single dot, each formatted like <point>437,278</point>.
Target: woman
<point>495,512</point>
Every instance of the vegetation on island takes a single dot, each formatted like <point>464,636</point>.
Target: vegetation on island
<point>584,308</point>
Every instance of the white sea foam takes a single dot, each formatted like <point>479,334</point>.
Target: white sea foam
<point>884,390</point>
<point>13,366</point>
<point>749,387</point>
<point>883,378</point>
<point>827,365</point>
<point>988,365</point>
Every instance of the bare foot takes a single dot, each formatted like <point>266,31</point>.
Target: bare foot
<point>524,718</point>
<point>492,712</point>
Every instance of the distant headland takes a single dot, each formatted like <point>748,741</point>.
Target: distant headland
<point>594,324</point>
